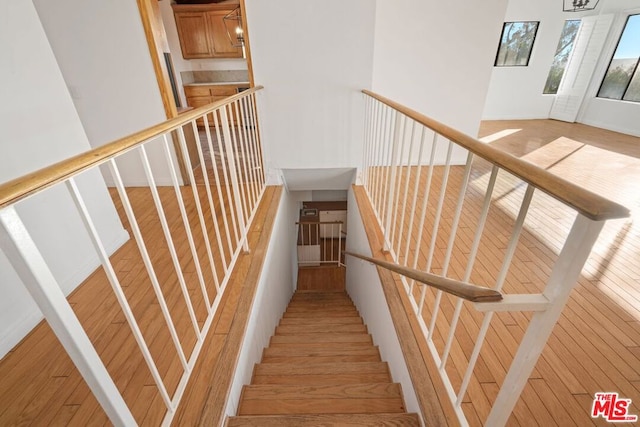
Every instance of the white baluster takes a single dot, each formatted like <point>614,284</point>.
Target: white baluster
<point>23,254</point>
<point>564,275</point>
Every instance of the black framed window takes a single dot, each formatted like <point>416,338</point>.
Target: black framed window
<point>516,43</point>
<point>622,80</point>
<point>561,58</point>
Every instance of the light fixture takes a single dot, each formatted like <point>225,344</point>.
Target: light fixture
<point>579,5</point>
<point>233,25</point>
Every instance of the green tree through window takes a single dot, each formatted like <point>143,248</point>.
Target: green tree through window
<point>516,43</point>
<point>563,51</point>
<point>622,80</point>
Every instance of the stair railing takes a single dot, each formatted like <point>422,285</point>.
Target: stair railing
<point>437,198</point>
<point>226,199</point>
<point>320,243</point>
<point>466,291</point>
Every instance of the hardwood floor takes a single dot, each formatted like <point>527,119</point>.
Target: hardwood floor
<point>40,385</point>
<point>595,345</point>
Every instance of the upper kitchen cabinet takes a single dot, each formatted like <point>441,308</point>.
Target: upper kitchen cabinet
<point>193,33</point>
<point>202,31</point>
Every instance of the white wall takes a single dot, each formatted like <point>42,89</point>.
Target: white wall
<point>275,288</point>
<point>313,57</point>
<point>365,289</point>
<point>39,126</point>
<point>103,54</point>
<point>620,116</point>
<point>436,56</point>
<point>179,63</point>
<point>516,92</point>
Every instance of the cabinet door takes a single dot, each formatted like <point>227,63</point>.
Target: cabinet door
<point>199,101</point>
<point>222,47</point>
<point>194,35</point>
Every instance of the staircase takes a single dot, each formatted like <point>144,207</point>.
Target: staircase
<point>322,369</point>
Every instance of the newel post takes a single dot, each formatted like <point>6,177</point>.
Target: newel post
<point>562,280</point>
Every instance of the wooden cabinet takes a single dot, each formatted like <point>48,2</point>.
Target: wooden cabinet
<point>222,46</point>
<point>194,35</point>
<point>200,95</point>
<point>202,31</point>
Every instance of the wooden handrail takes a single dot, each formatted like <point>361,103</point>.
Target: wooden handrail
<point>468,291</point>
<point>584,201</point>
<point>24,186</point>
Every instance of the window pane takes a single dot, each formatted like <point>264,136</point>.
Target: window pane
<point>623,64</point>
<point>563,50</point>
<point>617,78</point>
<point>516,43</point>
<point>633,92</point>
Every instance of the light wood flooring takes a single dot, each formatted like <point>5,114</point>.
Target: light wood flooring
<point>39,384</point>
<point>596,344</point>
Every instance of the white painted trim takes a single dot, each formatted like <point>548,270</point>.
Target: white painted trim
<point>365,289</point>
<point>272,296</point>
<point>515,302</point>
<point>609,126</point>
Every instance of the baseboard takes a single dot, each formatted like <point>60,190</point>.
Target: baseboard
<point>516,117</point>
<point>607,126</point>
<point>32,316</point>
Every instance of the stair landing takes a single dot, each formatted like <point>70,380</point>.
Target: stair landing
<point>322,369</point>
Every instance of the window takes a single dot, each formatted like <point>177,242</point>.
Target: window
<point>622,80</point>
<point>516,43</point>
<point>565,45</point>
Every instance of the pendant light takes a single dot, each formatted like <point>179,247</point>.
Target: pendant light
<point>579,5</point>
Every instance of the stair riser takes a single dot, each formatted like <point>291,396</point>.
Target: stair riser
<point>349,391</point>
<point>324,301</point>
<point>328,310</point>
<point>320,315</point>
<point>321,379</point>
<point>321,406</point>
<point>327,420</point>
<point>337,350</point>
<point>311,338</point>
<point>344,320</point>
<point>321,359</point>
<point>321,368</point>
<point>321,329</point>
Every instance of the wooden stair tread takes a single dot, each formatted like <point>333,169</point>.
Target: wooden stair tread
<point>321,368</point>
<point>324,329</point>
<point>331,345</point>
<point>340,358</point>
<point>317,338</point>
<point>327,379</point>
<point>321,314</point>
<point>343,391</point>
<point>321,298</point>
<point>300,292</point>
<point>315,351</point>
<point>327,420</point>
<point>354,320</point>
<point>327,308</point>
<point>320,406</point>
